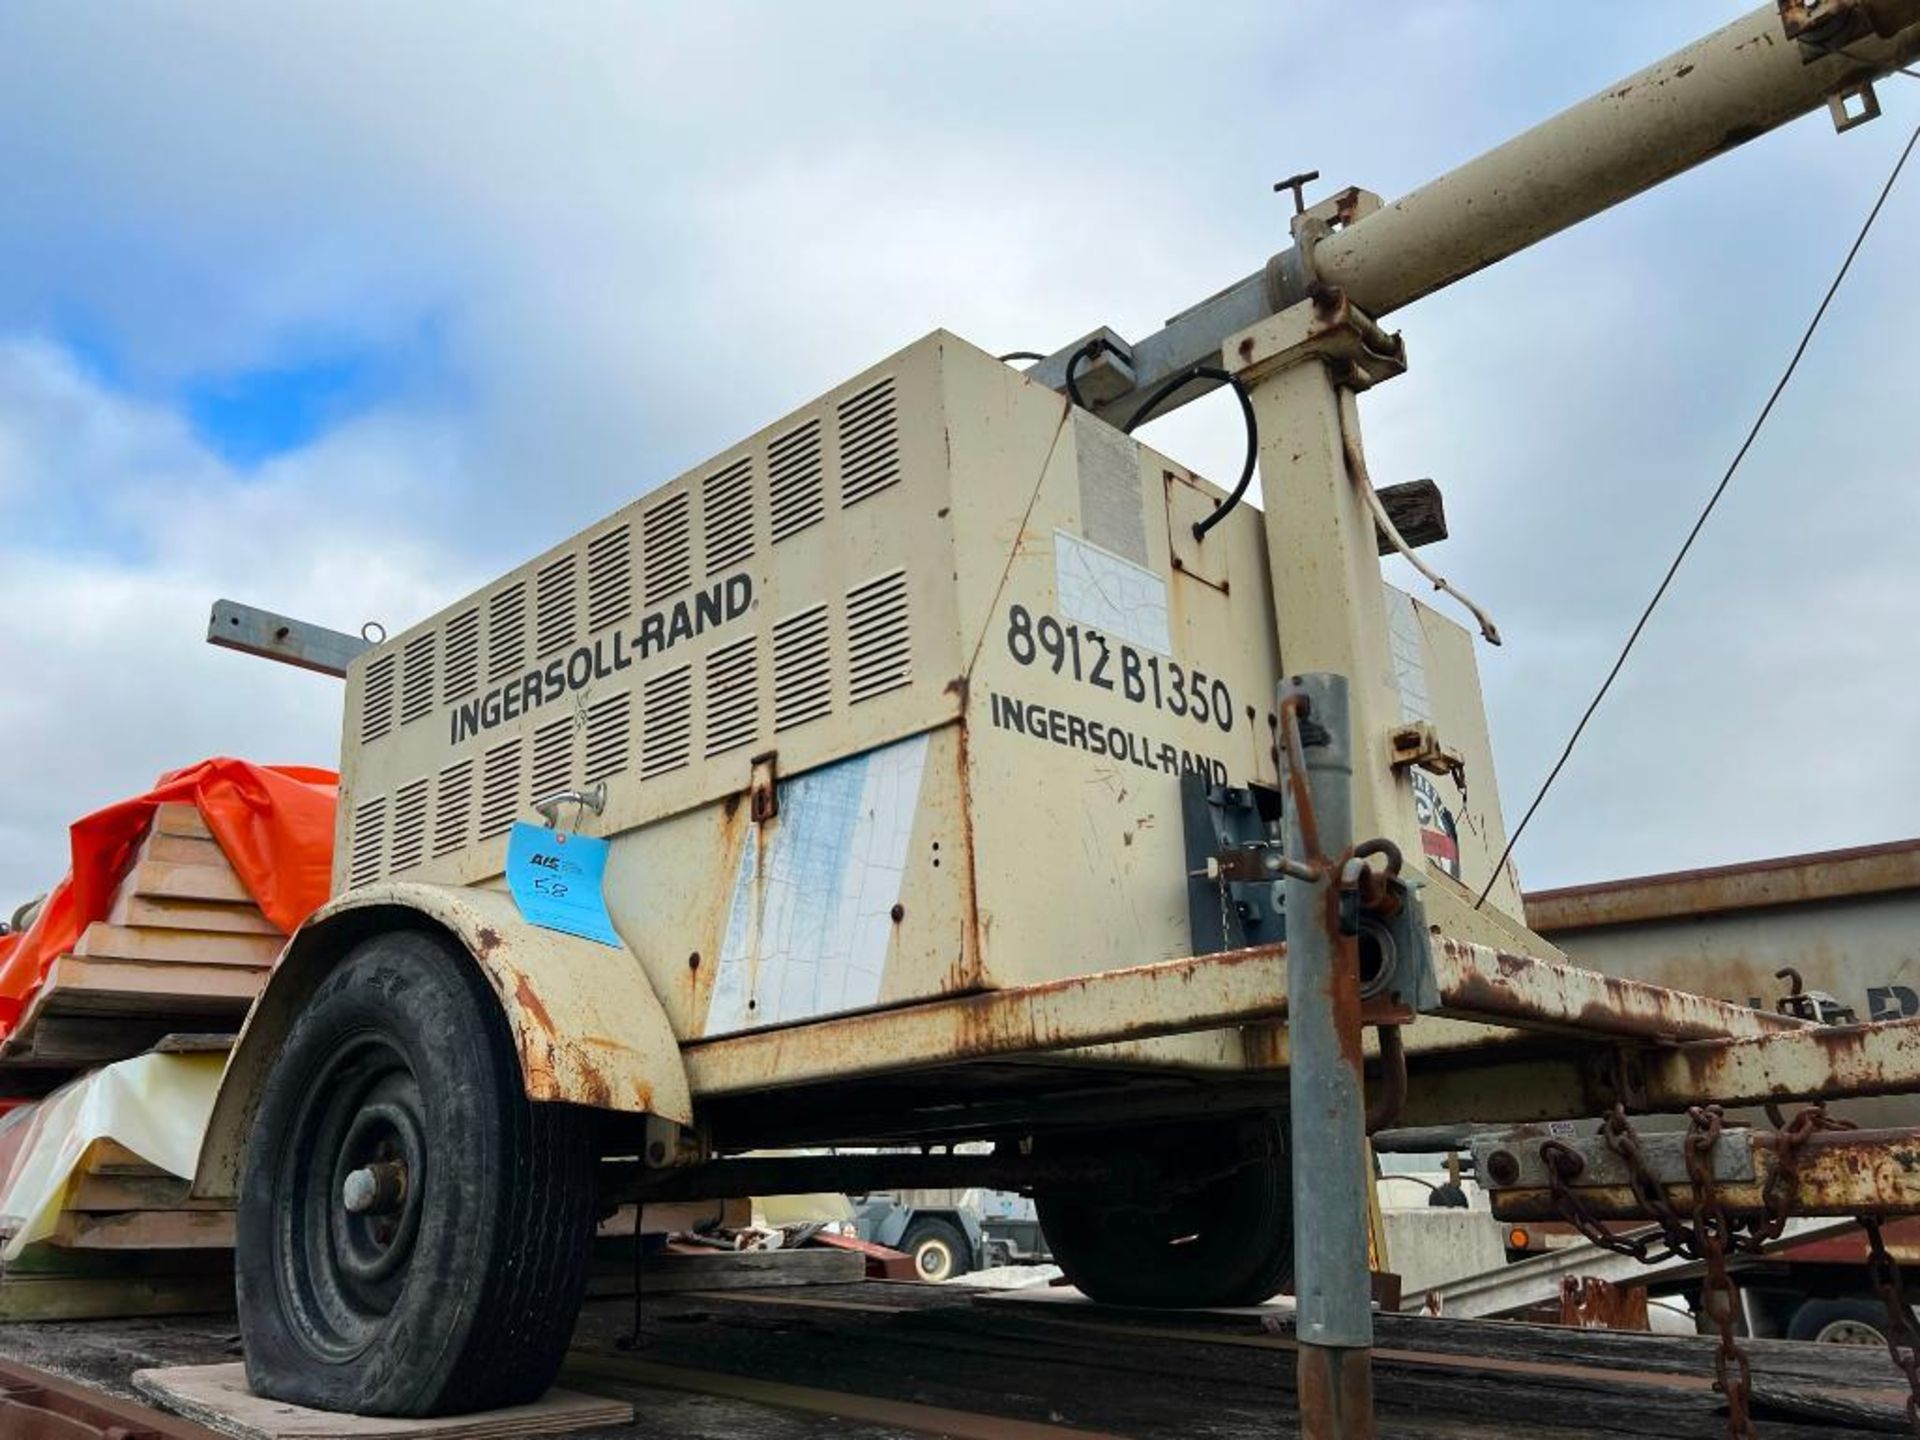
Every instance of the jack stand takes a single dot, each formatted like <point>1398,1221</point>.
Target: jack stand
<point>1331,1181</point>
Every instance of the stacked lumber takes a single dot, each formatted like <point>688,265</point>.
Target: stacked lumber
<point>129,1241</point>
<point>183,947</point>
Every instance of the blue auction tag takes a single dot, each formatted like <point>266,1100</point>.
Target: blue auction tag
<point>556,878</point>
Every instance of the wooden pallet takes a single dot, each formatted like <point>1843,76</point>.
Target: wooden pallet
<point>182,947</point>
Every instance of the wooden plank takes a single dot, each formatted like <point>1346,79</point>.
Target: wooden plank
<point>107,1193</point>
<point>179,818</point>
<point>843,1405</point>
<point>1417,512</point>
<point>121,942</point>
<point>217,1396</point>
<point>1149,1384</point>
<point>612,1270</point>
<point>110,1157</point>
<point>162,914</point>
<point>186,882</point>
<point>75,1042</point>
<point>26,1298</point>
<point>145,1230</point>
<point>180,850</point>
<point>80,986</point>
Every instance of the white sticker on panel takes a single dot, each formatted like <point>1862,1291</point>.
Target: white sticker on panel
<point>1112,505</point>
<point>1113,596</point>
<point>1409,656</point>
<point>811,913</point>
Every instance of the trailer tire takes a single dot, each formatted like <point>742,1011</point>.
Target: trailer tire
<point>451,1282</point>
<point>1147,1241</point>
<point>938,1249</point>
<point>1845,1321</point>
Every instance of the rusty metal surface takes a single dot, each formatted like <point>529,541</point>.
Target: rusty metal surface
<point>1476,982</point>
<point>1201,993</point>
<point>1588,1302</point>
<point>1481,983</point>
<point>1787,880</point>
<point>1830,1062</point>
<point>587,1025</point>
<point>1841,1173</point>
<point>35,1405</point>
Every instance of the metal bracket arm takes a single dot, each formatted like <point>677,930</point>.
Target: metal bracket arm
<point>1840,1172</point>
<point>1326,327</point>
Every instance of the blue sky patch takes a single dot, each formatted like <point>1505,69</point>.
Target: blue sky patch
<point>257,414</point>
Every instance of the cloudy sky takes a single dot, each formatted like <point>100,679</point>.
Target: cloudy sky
<point>342,309</point>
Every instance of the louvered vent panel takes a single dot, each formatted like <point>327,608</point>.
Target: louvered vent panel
<point>794,481</point>
<point>376,699</point>
<point>369,836</point>
<point>460,673</point>
<point>879,648</point>
<point>507,632</point>
<point>453,808</point>
<point>666,563</point>
<point>727,503</point>
<point>733,695</point>
<point>666,722</point>
<point>553,606</point>
<point>609,578</point>
<point>408,846</point>
<point>608,721</point>
<point>869,443</point>
<point>500,789</point>
<point>552,758</point>
<point>802,669</point>
<point>416,677</point>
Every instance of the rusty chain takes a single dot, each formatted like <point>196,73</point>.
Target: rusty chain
<point>1710,1234</point>
<point>1713,1232</point>
<point>1903,1335</point>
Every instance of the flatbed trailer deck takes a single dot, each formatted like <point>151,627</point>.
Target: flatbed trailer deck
<point>898,1361</point>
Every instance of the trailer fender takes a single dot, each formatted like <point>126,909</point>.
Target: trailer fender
<point>586,1023</point>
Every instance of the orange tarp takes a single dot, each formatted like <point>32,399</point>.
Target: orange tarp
<point>275,823</point>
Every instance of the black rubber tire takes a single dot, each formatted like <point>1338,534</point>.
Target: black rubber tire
<point>1814,1317</point>
<point>465,1297</point>
<point>936,1232</point>
<point>1229,1242</point>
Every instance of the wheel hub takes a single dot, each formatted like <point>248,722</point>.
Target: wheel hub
<point>357,1171</point>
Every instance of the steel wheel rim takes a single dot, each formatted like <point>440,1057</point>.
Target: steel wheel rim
<point>934,1260</point>
<point>1849,1332</point>
<point>343,1272</point>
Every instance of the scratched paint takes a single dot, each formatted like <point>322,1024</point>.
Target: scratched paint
<point>809,920</point>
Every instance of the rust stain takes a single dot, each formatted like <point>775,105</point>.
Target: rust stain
<point>593,1088</point>
<point>488,941</point>
<point>530,1003</point>
<point>972,931</point>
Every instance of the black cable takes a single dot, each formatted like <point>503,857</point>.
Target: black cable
<point>1013,355</point>
<point>1712,500</point>
<point>1225,377</point>
<point>1085,355</point>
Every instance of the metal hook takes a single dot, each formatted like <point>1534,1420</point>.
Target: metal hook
<point>549,806</point>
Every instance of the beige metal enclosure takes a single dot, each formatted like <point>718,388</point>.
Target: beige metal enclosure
<point>890,701</point>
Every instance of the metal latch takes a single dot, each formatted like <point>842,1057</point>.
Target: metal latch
<point>764,788</point>
<point>1418,743</point>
